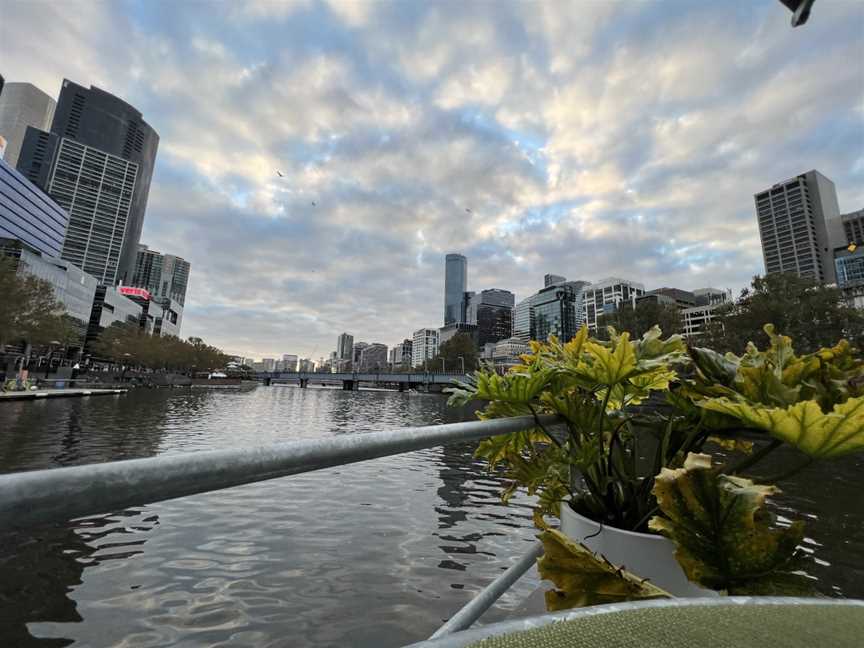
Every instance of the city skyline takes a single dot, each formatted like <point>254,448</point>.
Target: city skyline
<point>416,133</point>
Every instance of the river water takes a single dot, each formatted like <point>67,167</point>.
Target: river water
<point>373,554</point>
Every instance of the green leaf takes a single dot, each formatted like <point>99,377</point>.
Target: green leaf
<point>610,366</point>
<point>501,447</point>
<point>803,425</point>
<point>720,526</point>
<point>583,578</point>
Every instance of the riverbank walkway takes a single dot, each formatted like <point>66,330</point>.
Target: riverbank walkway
<point>33,394</point>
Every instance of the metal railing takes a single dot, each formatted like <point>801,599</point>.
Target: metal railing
<point>39,497</point>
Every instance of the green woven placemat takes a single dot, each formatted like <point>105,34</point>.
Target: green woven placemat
<point>767,626</point>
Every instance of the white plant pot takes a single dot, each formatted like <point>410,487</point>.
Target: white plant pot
<point>644,554</point>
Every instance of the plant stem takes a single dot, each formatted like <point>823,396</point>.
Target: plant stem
<point>540,425</point>
<point>753,458</point>
<point>788,473</point>
<point>646,517</point>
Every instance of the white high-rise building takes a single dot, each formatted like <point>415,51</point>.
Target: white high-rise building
<point>22,105</point>
<point>424,346</point>
<point>96,189</point>
<point>607,295</point>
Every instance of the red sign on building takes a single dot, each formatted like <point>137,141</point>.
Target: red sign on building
<point>129,291</point>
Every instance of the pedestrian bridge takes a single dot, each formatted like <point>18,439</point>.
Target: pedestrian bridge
<point>352,380</point>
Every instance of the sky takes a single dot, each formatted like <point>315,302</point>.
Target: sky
<point>586,139</point>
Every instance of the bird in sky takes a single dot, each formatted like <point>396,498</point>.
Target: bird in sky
<point>467,210</point>
<point>313,203</point>
<point>279,173</point>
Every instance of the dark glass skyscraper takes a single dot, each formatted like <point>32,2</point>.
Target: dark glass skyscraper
<point>455,286</point>
<point>115,151</point>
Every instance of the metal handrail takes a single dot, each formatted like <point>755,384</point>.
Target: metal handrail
<point>46,496</point>
<point>475,608</point>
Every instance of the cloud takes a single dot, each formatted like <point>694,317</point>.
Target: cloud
<point>586,139</point>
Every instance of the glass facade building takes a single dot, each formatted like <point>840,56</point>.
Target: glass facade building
<point>554,313</point>
<point>96,189</point>
<point>850,268</point>
<point>28,215</point>
<point>455,285</point>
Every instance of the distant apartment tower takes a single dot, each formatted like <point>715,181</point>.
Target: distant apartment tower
<point>853,228</point>
<point>22,105</point>
<point>345,347</point>
<point>424,346</point>
<point>455,285</point>
<point>98,159</point>
<point>799,226</point>
<point>606,296</point>
<point>164,275</point>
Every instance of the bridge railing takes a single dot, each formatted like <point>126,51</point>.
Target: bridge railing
<point>39,497</point>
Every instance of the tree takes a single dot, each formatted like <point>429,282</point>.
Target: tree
<point>638,319</point>
<point>30,311</point>
<point>460,345</point>
<point>813,315</point>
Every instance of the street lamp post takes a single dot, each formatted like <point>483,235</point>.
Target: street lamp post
<point>462,360</point>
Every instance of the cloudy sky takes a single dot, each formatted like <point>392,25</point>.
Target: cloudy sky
<point>586,138</point>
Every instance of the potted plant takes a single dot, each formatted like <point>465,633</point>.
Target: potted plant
<point>631,482</point>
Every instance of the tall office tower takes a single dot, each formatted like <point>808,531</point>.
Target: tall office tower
<point>551,279</point>
<point>853,228</point>
<point>164,275</point>
<point>455,286</point>
<point>22,105</point>
<point>800,225</point>
<point>96,189</point>
<point>100,150</point>
<point>606,296</point>
<point>345,347</point>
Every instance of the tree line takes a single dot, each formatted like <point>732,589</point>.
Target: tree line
<point>813,315</point>
<point>31,315</point>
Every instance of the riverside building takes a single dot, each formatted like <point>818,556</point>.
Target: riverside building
<point>800,226</point>
<point>96,162</point>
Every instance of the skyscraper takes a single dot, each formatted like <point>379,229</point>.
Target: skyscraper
<point>345,346</point>
<point>164,275</point>
<point>455,285</point>
<point>800,225</point>
<point>97,163</point>
<point>22,105</point>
